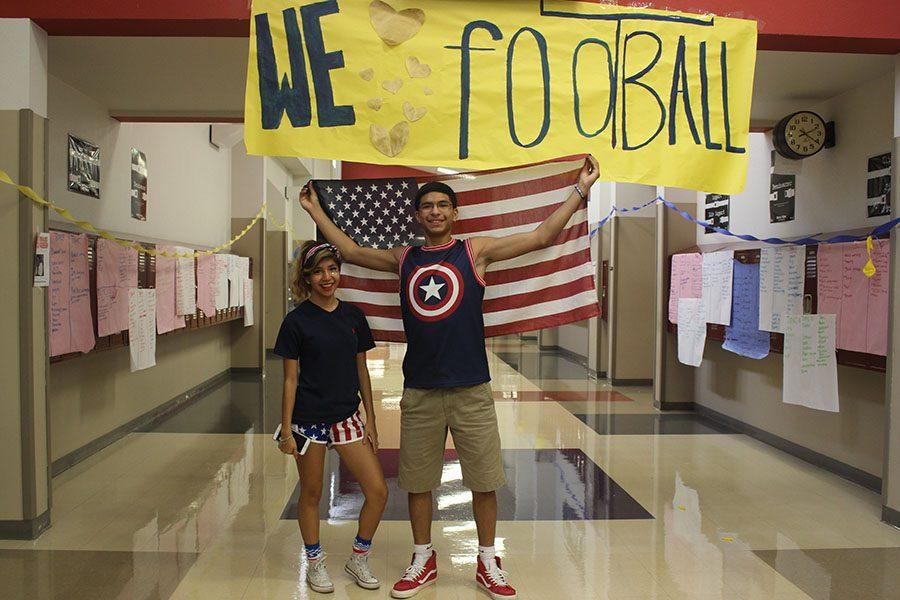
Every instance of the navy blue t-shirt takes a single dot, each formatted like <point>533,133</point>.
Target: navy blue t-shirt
<point>325,344</point>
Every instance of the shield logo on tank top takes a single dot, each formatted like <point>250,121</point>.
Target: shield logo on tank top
<point>434,291</point>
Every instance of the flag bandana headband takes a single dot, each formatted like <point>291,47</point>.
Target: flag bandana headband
<point>312,252</point>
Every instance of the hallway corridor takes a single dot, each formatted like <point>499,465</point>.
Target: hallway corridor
<point>607,498</point>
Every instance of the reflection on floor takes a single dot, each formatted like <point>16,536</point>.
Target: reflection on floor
<point>543,485</point>
<point>195,507</point>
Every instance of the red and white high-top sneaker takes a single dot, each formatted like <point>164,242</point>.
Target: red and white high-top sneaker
<point>494,581</point>
<point>416,577</point>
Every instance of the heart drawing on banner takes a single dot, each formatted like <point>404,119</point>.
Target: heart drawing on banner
<point>394,27</point>
<point>416,68</point>
<point>392,85</point>
<point>389,144</point>
<point>367,74</point>
<point>412,113</point>
<point>375,103</point>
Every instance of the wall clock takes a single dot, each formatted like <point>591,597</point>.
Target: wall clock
<point>800,135</point>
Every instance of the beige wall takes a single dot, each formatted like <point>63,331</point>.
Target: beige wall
<point>750,391</point>
<point>891,494</point>
<point>94,394</point>
<point>10,407</point>
<point>276,283</point>
<point>676,385</point>
<point>634,302</point>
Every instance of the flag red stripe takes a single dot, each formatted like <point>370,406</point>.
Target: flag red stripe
<point>387,335</point>
<point>379,310</point>
<point>579,314</point>
<point>537,270</point>
<point>518,189</point>
<point>545,295</point>
<point>512,275</point>
<point>389,286</point>
<point>531,216</point>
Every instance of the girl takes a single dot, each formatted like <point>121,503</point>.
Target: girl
<point>328,339</point>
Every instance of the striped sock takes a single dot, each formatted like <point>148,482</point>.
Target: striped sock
<point>361,546</point>
<point>313,551</point>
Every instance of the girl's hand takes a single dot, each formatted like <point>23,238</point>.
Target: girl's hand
<point>288,446</point>
<point>371,435</point>
<point>309,200</point>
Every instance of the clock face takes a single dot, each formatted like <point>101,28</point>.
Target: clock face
<point>804,133</point>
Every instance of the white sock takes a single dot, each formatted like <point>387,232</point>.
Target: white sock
<point>422,552</point>
<point>486,554</point>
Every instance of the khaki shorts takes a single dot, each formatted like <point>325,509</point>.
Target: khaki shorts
<point>468,413</point>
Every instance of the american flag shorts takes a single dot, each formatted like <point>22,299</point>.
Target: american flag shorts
<point>351,429</point>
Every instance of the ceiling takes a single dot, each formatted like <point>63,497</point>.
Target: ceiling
<point>204,77</point>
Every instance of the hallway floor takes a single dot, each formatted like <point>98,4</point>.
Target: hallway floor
<point>606,498</point>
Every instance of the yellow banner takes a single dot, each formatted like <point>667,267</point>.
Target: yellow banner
<point>658,97</point>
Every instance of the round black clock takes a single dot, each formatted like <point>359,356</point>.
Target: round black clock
<point>799,135</point>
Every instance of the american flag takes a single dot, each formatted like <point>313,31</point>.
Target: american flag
<point>544,288</point>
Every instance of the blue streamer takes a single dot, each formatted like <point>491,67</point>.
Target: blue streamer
<point>805,241</point>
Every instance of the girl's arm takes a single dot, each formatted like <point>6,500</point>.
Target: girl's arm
<point>288,445</point>
<point>365,390</point>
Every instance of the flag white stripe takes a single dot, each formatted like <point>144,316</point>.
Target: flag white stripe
<point>492,292</point>
<point>576,218</point>
<point>382,298</point>
<point>385,323</point>
<point>469,183</point>
<point>541,309</point>
<point>538,256</point>
<point>536,284</point>
<point>499,207</point>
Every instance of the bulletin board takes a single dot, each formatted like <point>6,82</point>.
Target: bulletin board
<point>146,280</point>
<point>861,360</point>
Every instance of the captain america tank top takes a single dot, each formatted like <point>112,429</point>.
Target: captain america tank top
<point>441,298</point>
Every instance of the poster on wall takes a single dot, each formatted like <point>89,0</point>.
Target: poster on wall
<point>138,185</point>
<point>878,185</point>
<point>782,193</point>
<point>717,207</point>
<point>84,167</point>
<point>42,260</point>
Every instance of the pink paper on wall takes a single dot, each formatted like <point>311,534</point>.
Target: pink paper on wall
<point>60,333</point>
<point>166,319</point>
<point>877,321</point>
<point>71,323</point>
<point>686,281</point>
<point>829,276</point>
<point>206,284</point>
<point>116,274</point>
<point>82,322</point>
<point>854,299</point>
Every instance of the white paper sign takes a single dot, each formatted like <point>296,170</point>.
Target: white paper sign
<point>810,365</point>
<point>248,302</point>
<point>781,274</point>
<point>691,331</point>
<point>42,260</point>
<point>142,328</point>
<point>221,281</point>
<point>235,287</point>
<point>718,268</point>
<point>185,284</point>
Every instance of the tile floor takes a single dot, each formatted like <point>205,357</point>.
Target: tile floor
<point>606,499</point>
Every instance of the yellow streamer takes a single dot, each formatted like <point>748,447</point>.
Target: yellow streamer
<point>869,269</point>
<point>85,225</point>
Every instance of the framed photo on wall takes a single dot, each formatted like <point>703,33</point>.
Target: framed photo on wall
<point>84,167</point>
<point>138,185</point>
